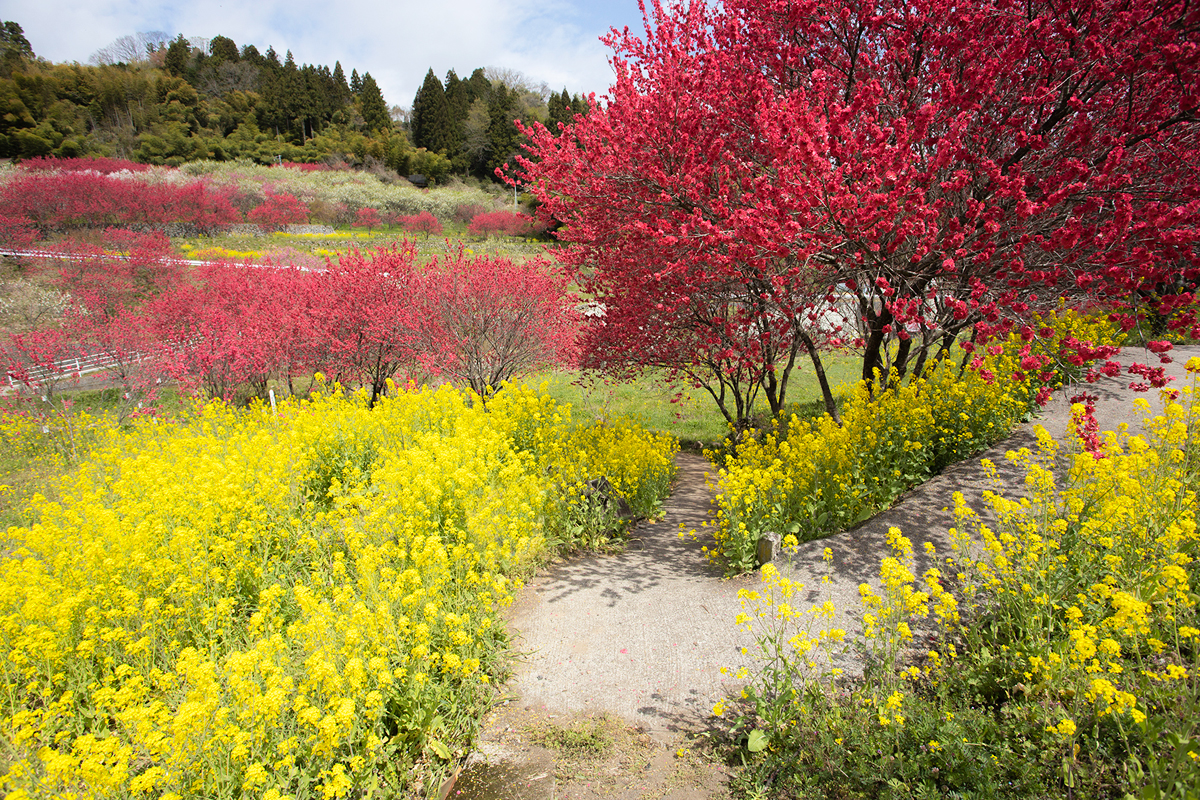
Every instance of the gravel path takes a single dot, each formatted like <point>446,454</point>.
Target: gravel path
<point>644,634</point>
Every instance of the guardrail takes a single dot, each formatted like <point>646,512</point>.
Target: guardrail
<point>79,366</point>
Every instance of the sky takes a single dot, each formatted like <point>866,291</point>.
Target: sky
<point>551,41</point>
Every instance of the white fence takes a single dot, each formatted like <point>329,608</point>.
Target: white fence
<point>68,367</point>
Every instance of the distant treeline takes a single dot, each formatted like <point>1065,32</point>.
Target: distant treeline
<point>471,121</point>
<point>153,99</point>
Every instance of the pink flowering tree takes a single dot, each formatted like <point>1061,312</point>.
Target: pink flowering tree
<point>278,211</point>
<point>367,218</point>
<point>926,172</point>
<point>488,319</point>
<point>423,222</point>
<point>370,322</point>
<point>501,223</point>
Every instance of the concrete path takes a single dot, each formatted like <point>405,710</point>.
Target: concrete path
<point>644,634</point>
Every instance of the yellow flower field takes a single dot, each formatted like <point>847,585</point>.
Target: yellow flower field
<point>249,604</point>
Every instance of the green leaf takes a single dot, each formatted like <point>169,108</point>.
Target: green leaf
<point>757,742</point>
<point>439,749</point>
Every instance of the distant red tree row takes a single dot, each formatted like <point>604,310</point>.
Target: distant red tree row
<point>64,201</point>
<point>368,319</point>
<point>100,164</point>
<point>85,194</point>
<point>504,223</point>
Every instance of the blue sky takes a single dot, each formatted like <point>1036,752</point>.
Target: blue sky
<point>555,41</point>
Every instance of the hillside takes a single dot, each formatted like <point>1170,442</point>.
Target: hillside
<point>169,102</point>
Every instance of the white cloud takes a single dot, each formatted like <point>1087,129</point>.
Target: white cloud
<point>555,41</point>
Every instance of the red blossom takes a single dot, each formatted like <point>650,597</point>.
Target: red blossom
<point>278,211</point>
<point>502,223</point>
<point>755,155</point>
<point>367,218</point>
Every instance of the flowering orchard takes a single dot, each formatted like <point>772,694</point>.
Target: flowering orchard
<point>52,201</point>
<point>367,319</point>
<point>62,195</point>
<point>1052,652</point>
<point>278,211</point>
<point>817,478</point>
<point>301,604</point>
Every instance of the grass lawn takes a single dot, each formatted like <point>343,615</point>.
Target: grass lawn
<point>692,416</point>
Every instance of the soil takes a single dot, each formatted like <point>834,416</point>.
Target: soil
<point>529,754</point>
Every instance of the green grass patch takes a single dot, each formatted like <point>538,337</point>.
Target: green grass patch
<point>689,414</point>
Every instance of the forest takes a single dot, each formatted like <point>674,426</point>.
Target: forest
<point>158,100</point>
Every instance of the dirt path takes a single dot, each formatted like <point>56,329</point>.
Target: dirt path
<point>638,640</point>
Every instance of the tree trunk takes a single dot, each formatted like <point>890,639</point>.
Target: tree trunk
<point>819,368</point>
<point>873,353</point>
<point>900,365</point>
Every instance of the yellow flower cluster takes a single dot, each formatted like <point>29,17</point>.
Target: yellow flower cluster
<point>246,603</point>
<point>1088,578</point>
<point>823,477</point>
<point>638,464</point>
<point>20,430</point>
<point>796,648</point>
<point>48,428</point>
<point>333,235</point>
<point>223,253</point>
<point>888,615</point>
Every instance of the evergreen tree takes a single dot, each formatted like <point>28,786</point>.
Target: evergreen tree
<point>457,105</point>
<point>342,89</point>
<point>12,40</point>
<point>557,111</point>
<point>273,107</point>
<point>430,116</point>
<point>222,48</point>
<point>250,53</point>
<point>478,86</point>
<point>316,106</point>
<point>14,48</point>
<point>374,110</point>
<point>294,96</point>
<point>578,105</point>
<point>355,82</point>
<point>326,92</point>
<point>178,56</point>
<point>503,136</point>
